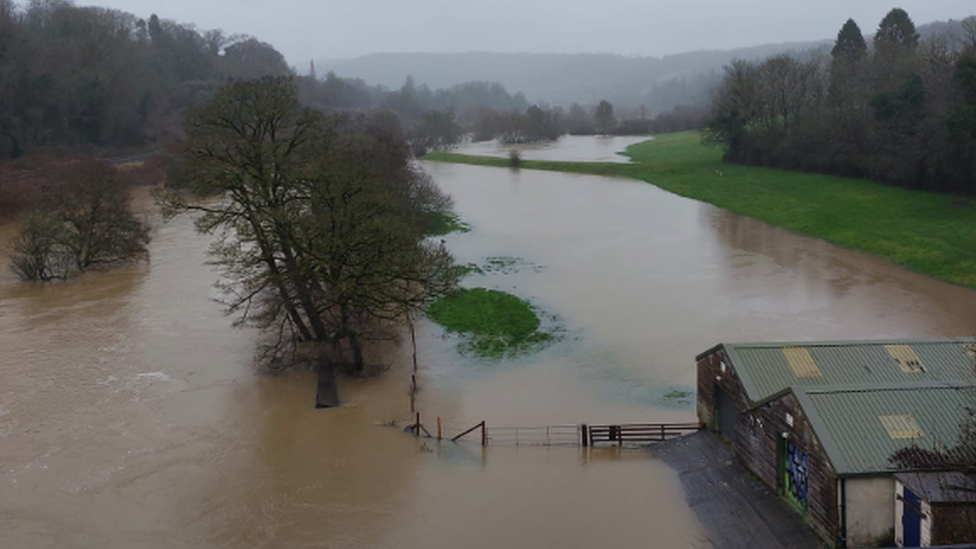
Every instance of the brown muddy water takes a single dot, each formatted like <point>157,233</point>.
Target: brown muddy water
<point>131,413</point>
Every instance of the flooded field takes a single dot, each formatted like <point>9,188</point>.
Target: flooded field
<point>577,148</point>
<point>132,415</point>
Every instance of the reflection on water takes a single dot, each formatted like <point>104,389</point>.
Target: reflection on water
<point>131,414</point>
<point>568,148</point>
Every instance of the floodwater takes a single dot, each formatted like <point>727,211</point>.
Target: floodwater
<point>132,415</point>
<point>580,148</point>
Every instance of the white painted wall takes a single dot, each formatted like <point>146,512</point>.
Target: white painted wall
<point>926,538</point>
<point>870,513</point>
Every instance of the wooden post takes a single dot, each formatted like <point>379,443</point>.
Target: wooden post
<point>663,436</point>
<point>438,427</point>
<point>417,427</point>
<point>584,435</point>
<point>413,339</point>
<point>484,434</point>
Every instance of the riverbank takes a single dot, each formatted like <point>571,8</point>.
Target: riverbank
<point>929,233</point>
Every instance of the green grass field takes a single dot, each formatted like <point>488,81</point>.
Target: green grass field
<point>929,233</point>
<point>496,324</point>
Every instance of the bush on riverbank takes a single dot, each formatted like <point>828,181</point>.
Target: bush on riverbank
<point>927,232</point>
<point>497,324</point>
<point>443,224</point>
<point>514,158</point>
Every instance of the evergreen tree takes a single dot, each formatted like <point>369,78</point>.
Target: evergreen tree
<point>850,46</point>
<point>155,30</point>
<point>896,33</point>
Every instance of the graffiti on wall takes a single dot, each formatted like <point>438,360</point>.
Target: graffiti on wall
<point>796,470</point>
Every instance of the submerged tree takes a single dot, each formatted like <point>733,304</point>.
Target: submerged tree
<point>604,116</point>
<point>321,222</point>
<point>82,221</point>
<point>438,130</point>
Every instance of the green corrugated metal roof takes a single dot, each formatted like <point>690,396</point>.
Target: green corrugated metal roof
<point>765,370</point>
<point>849,423</point>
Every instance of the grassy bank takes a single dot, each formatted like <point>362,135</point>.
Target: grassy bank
<point>929,233</point>
<point>495,324</point>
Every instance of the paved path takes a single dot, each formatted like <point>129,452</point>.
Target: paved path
<point>736,511</point>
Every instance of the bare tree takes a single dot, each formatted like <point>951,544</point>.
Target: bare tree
<point>321,221</point>
<point>82,221</point>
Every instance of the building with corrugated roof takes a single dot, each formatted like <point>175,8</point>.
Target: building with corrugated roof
<point>829,424</point>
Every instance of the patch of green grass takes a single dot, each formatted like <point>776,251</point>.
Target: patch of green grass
<point>926,232</point>
<point>495,324</point>
<point>447,223</point>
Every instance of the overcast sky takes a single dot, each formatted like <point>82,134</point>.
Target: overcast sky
<point>304,29</point>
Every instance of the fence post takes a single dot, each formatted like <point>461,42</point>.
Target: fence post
<point>484,434</point>
<point>663,436</point>
<point>438,427</point>
<point>417,426</point>
<point>584,435</point>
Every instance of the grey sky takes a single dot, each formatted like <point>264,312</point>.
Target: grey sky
<point>303,29</point>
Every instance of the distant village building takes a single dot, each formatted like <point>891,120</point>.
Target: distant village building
<point>824,424</point>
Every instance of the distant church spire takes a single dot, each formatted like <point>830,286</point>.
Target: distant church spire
<point>311,70</point>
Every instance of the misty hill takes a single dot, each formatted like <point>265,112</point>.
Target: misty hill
<point>560,79</point>
<point>555,78</point>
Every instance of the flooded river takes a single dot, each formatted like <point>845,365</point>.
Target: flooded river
<point>131,414</point>
<point>569,148</point>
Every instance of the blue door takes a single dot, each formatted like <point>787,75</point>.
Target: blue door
<point>911,520</point>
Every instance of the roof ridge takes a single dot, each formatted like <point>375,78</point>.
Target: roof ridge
<point>849,342</point>
<point>879,387</point>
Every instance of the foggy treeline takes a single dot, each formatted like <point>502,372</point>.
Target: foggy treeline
<point>80,76</point>
<point>90,77</point>
<point>659,84</point>
<point>899,109</point>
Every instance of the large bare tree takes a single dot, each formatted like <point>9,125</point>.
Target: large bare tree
<point>321,220</point>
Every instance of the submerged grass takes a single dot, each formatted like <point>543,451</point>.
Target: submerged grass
<point>496,324</point>
<point>447,223</point>
<point>930,233</point>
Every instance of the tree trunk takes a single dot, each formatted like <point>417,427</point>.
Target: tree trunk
<point>358,363</point>
<point>15,150</point>
<point>267,255</point>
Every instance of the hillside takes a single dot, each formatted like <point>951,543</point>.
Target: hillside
<point>560,79</point>
<point>554,78</point>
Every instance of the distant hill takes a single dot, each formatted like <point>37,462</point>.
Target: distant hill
<point>560,79</point>
<point>554,78</point>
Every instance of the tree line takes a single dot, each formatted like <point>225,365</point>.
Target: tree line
<point>900,110</point>
<point>75,76</point>
<point>91,78</point>
<point>543,123</point>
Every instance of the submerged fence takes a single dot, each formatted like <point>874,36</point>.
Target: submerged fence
<point>570,434</point>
